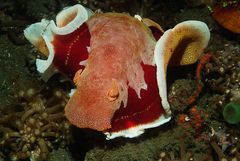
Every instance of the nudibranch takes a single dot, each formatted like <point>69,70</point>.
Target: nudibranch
<point>118,64</point>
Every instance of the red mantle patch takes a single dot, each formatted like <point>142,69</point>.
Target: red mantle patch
<point>70,50</point>
<point>140,111</point>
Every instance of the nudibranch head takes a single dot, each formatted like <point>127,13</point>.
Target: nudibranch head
<point>118,64</point>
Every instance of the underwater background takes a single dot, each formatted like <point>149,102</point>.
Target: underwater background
<point>204,97</point>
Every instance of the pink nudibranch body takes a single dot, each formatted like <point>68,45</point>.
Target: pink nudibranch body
<point>118,65</point>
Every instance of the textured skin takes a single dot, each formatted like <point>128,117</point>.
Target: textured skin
<point>118,46</point>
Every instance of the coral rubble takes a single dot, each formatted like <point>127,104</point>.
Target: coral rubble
<point>35,127</point>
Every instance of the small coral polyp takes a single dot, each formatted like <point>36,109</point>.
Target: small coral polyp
<point>115,55</point>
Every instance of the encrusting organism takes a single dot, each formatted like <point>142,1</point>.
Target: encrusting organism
<point>231,112</point>
<point>203,60</point>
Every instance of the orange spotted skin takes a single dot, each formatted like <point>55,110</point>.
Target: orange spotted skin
<point>90,107</point>
<point>118,45</point>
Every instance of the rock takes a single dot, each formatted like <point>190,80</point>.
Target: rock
<point>60,155</point>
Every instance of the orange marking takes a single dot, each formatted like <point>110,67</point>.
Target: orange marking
<point>113,92</point>
<point>77,76</point>
<point>199,85</point>
<point>196,117</point>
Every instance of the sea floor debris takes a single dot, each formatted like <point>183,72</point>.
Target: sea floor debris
<point>34,127</point>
